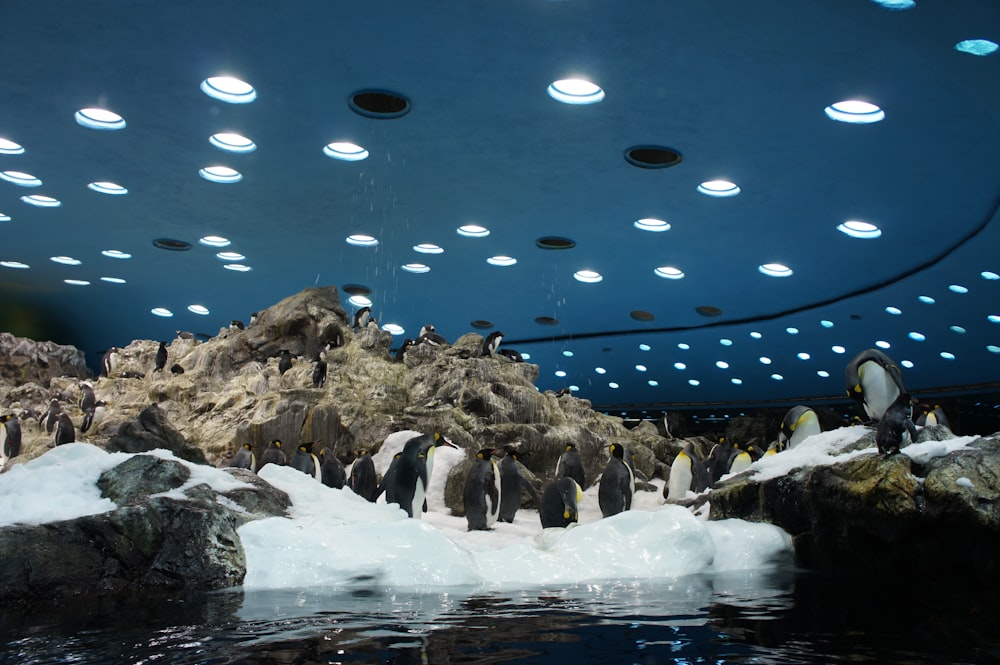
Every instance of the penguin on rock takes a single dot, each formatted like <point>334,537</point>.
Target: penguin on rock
<point>896,426</point>
<point>491,344</point>
<point>110,361</point>
<point>874,380</point>
<point>799,422</point>
<point>428,335</point>
<point>50,418</point>
<point>65,430</point>
<point>161,357</point>
<point>244,458</point>
<point>481,494</point>
<point>361,317</point>
<point>614,494</point>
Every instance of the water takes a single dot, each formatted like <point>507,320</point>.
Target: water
<point>776,616</point>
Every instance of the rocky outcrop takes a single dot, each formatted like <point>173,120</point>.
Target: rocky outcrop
<point>150,430</point>
<point>916,514</point>
<point>28,361</point>
<point>163,536</point>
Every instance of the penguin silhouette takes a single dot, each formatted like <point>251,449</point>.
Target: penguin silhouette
<point>362,479</point>
<point>614,494</point>
<point>570,465</point>
<point>284,362</point>
<point>895,424</point>
<point>511,485</point>
<point>304,460</point>
<point>244,458</point>
<point>65,430</point>
<point>161,357</point>
<point>332,472</point>
<point>481,495</point>
<point>10,436</point>
<point>491,344</point>
<point>273,454</point>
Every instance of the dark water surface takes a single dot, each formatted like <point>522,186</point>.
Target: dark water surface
<point>746,617</point>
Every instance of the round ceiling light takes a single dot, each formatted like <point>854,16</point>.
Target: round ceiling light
<point>642,315</point>
<point>77,282</point>
<point>20,178</point>
<point>360,301</point>
<point>652,156</point>
<point>708,310</point>
<point>237,267</point>
<point>719,188</point>
<point>93,118</point>
<point>222,174</point>
<point>669,272</point>
<point>4,218</point>
<point>416,268</point>
<point>575,91</point>
<point>229,256</point>
<point>428,248</point>
<point>651,224</point>
<point>775,270</point>
<point>379,104</point>
<point>344,151</point>
<point>356,290</point>
<point>232,142</point>
<point>201,310</point>
<point>481,324</point>
<point>8,147</point>
<point>555,242</point>
<point>393,329</point>
<point>858,229</point>
<point>161,311</point>
<point>927,300</point>
<point>65,260</point>
<point>501,260</point>
<point>976,46</point>
<point>361,240</point>
<point>229,89</point>
<point>214,241</point>
<point>854,111</point>
<point>989,275</point>
<point>549,321</point>
<point>116,254</point>
<point>16,265</point>
<point>40,201</point>
<point>113,280</point>
<point>105,187</point>
<point>588,276</point>
<point>473,231</point>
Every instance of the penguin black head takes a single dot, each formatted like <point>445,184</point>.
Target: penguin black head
<point>236,324</point>
<point>247,446</point>
<point>570,446</point>
<point>276,443</point>
<point>485,453</point>
<point>617,451</point>
<point>511,451</point>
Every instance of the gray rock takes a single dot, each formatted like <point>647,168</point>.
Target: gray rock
<point>151,430</point>
<point>139,476</point>
<point>27,361</point>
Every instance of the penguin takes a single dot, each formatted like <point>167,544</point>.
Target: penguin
<point>894,425</point>
<point>87,400</point>
<point>185,334</point>
<point>932,416</point>
<point>481,495</point>
<point>176,369</point>
<point>430,336</point>
<point>614,495</point>
<point>110,361</point>
<point>362,479</point>
<point>799,422</point>
<point>412,474</point>
<point>65,430</point>
<point>50,418</point>
<point>236,324</point>
<point>10,436</point>
<point>560,503</point>
<point>772,449</point>
<point>491,344</point>
<point>361,317</point>
<point>319,373</point>
<point>332,472</point>
<point>285,362</point>
<point>305,461</point>
<point>161,357</point>
<point>372,324</point>
<point>570,465</point>
<point>273,454</point>
<point>403,348</point>
<point>511,485</point>
<point>740,461</point>
<point>511,355</point>
<point>717,464</point>
<point>253,318</point>
<point>244,458</point>
<point>687,472</point>
<point>874,380</point>
<point>93,417</point>
<point>128,374</point>
<point>388,484</point>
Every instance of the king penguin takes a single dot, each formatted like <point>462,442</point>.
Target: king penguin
<point>799,422</point>
<point>161,357</point>
<point>687,472</point>
<point>362,479</point>
<point>874,380</point>
<point>244,458</point>
<point>717,464</point>
<point>614,495</point>
<point>413,473</point>
<point>571,466</point>
<point>305,461</point>
<point>65,430</point>
<point>932,416</point>
<point>273,454</point>
<point>560,503</point>
<point>482,491</point>
<point>332,473</point>
<point>894,425</point>
<point>511,485</point>
<point>491,344</point>
<point>10,436</point>
<point>740,461</point>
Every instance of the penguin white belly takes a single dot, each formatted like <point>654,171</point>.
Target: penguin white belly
<point>680,477</point>
<point>317,472</point>
<point>419,492</point>
<point>741,463</point>
<point>805,427</point>
<point>878,388</point>
<point>493,511</point>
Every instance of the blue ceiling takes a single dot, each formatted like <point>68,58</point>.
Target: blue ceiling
<point>738,89</point>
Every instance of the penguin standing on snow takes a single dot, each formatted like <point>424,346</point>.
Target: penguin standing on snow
<point>305,461</point>
<point>717,464</point>
<point>362,479</point>
<point>413,473</point>
<point>481,495</point>
<point>10,436</point>
<point>874,380</point>
<point>932,416</point>
<point>511,484</point>
<point>388,484</point>
<point>161,357</point>
<point>65,430</point>
<point>273,454</point>
<point>799,423</point>
<point>614,494</point>
<point>894,426</point>
<point>571,466</point>
<point>244,458</point>
<point>332,472</point>
<point>560,503</point>
<point>491,344</point>
<point>687,472</point>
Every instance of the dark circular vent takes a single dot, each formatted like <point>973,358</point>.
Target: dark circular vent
<point>555,242</point>
<point>379,104</point>
<point>855,317</point>
<point>652,156</point>
<point>641,315</point>
<point>708,310</point>
<point>356,290</point>
<point>172,245</point>
<point>546,320</point>
<point>482,324</point>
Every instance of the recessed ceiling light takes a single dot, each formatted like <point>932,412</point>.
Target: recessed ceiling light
<point>694,382</point>
<point>718,188</point>
<point>642,315</point>
<point>826,324</point>
<point>501,260</point>
<point>560,373</point>
<point>882,344</point>
<point>756,335</point>
<point>344,151</point>
<point>774,270</point>
<point>854,111</point>
<point>230,256</point>
<point>640,368</point>
<point>916,337</point>
<point>764,360</point>
<point>8,147</point>
<point>652,156</point>
<point>989,275</point>
<point>947,355</point>
<point>171,244</point>
<point>736,381</point>
<point>669,272</point>
<point>680,366</point>
<point>41,201</point>
<point>379,104</point>
<point>895,311</point>
<point>198,309</point>
<point>992,348</point>
<point>896,4</point>
<point>232,142</point>
<point>683,346</point>
<point>473,231</point>
<point>360,301</point>
<point>361,240</point>
<point>527,356</point>
<point>20,178</point>
<point>993,318</point>
<point>99,119</point>
<point>927,300</point>
<point>777,377</point>
<point>222,174</point>
<point>546,320</point>
<point>823,373</point>
<point>792,330</point>
<point>428,248</point>
<point>77,282</point>
<point>587,276</point>
<point>214,241</point>
<point>976,46</point>
<point>65,260</point>
<point>16,265</point>
<point>722,364</point>
<point>957,288</point>
<point>726,342</point>
<point>612,384</point>
<point>645,347</point>
<point>858,229</point>
<point>838,349</point>
<point>105,187</point>
<point>113,280</point>
<point>416,268</point>
<point>600,370</point>
<point>651,224</point>
<point>4,218</point>
<point>568,354</point>
<point>957,329</point>
<point>229,89</point>
<point>483,324</point>
<point>908,364</point>
<point>393,328</point>
<point>653,382</point>
<point>161,311</point>
<point>237,267</point>
<point>575,91</point>
<point>116,254</point>
<point>803,356</point>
